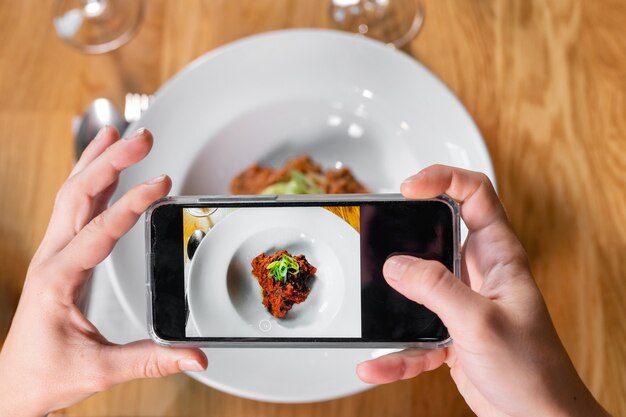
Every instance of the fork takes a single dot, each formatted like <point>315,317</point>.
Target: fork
<point>136,104</point>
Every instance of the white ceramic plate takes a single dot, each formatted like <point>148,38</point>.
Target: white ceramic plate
<point>225,298</point>
<point>343,99</point>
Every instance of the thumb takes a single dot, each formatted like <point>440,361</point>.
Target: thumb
<point>431,284</point>
<point>146,359</point>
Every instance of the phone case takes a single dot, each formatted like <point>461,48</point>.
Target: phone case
<point>279,200</point>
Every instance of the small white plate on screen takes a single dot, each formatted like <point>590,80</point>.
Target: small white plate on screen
<point>225,298</point>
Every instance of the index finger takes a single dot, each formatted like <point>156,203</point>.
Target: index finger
<point>84,192</point>
<point>480,205</point>
<point>494,244</point>
<point>97,239</point>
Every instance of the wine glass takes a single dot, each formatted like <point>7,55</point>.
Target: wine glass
<point>394,22</point>
<point>201,211</point>
<point>97,26</point>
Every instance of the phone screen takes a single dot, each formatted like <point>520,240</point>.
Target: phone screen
<point>287,272</point>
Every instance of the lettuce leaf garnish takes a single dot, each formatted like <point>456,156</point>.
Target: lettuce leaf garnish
<point>298,183</point>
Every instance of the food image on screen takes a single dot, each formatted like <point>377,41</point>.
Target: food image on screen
<point>277,272</point>
<point>284,280</point>
<point>299,175</point>
<point>272,272</point>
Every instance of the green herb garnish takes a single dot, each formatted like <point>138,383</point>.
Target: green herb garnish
<point>280,268</point>
<point>298,183</point>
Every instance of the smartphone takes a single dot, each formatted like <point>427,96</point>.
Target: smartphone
<point>293,270</point>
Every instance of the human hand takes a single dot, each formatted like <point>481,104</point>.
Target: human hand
<point>506,358</point>
<point>53,356</point>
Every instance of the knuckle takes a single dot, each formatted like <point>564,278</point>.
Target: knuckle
<point>410,368</point>
<point>151,367</point>
<point>484,178</point>
<point>36,270</point>
<point>99,223</point>
<point>402,369</point>
<point>74,189</point>
<point>59,196</point>
<point>488,186</point>
<point>433,276</point>
<point>64,192</point>
<point>75,184</point>
<point>42,281</point>
<point>436,271</point>
<point>138,198</point>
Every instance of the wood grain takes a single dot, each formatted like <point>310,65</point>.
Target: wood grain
<point>351,214</point>
<point>544,81</point>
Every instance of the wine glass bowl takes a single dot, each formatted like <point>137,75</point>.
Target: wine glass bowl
<point>97,26</point>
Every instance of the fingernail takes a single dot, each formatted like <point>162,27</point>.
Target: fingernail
<point>394,267</point>
<point>139,132</point>
<point>190,365</point>
<point>101,133</point>
<point>156,180</point>
<point>413,178</point>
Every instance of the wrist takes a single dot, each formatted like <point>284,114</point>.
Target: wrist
<point>567,394</point>
<point>11,407</point>
<point>576,401</point>
<point>13,402</point>
<point>588,409</point>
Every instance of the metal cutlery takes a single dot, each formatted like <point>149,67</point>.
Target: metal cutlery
<point>102,112</point>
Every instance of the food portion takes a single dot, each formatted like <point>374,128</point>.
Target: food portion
<point>299,175</point>
<point>284,280</point>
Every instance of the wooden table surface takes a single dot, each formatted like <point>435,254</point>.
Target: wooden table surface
<point>544,80</point>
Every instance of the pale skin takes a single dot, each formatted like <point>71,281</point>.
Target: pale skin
<point>506,359</point>
<point>53,356</point>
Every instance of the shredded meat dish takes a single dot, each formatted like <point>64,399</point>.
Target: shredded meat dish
<point>257,178</point>
<point>279,296</point>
